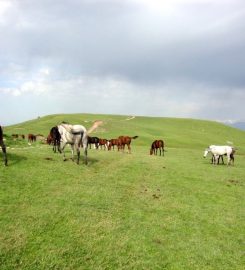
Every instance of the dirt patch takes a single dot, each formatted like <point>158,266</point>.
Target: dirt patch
<point>234,182</point>
<point>48,158</point>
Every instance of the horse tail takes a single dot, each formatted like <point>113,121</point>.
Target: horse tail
<point>95,125</point>
<point>135,137</point>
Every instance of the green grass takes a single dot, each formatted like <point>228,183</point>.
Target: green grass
<point>123,211</point>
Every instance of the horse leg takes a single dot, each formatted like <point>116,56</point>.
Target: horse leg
<point>78,154</point>
<point>62,150</point>
<point>216,158</point>
<point>72,152</point>
<point>55,146</point>
<point>58,143</point>
<point>4,154</point>
<point>222,160</point>
<point>129,149</point>
<point>228,159</point>
<point>85,154</point>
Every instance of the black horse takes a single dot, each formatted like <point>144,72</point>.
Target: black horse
<point>3,147</point>
<point>55,138</point>
<point>93,140</point>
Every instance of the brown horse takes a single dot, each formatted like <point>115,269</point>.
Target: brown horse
<point>3,147</point>
<point>103,142</point>
<point>157,144</point>
<point>126,140</point>
<point>31,138</point>
<point>113,143</point>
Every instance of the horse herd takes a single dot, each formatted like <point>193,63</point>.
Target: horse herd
<point>77,136</point>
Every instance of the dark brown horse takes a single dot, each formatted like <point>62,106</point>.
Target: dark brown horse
<point>3,147</point>
<point>55,138</point>
<point>93,140</point>
<point>126,140</point>
<point>157,144</point>
<point>31,138</point>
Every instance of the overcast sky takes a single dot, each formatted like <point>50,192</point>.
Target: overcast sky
<point>168,58</point>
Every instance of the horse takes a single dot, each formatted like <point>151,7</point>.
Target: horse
<point>113,142</point>
<point>157,144</point>
<point>49,139</point>
<point>103,142</point>
<point>15,136</point>
<point>31,138</point>
<point>93,140</point>
<point>218,151</point>
<point>54,137</point>
<point>76,135</point>
<point>126,140</point>
<point>3,147</point>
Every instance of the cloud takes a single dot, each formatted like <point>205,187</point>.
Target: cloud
<point>179,58</point>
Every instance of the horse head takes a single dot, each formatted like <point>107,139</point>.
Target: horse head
<point>207,150</point>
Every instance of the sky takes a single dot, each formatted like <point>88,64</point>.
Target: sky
<point>165,58</point>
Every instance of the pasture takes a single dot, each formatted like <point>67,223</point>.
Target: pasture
<point>123,211</point>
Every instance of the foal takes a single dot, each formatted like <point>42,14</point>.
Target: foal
<point>3,147</point>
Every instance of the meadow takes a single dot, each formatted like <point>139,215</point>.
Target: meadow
<point>123,211</point>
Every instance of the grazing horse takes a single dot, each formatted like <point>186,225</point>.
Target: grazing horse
<point>93,140</point>
<point>76,135</point>
<point>157,144</point>
<point>218,151</point>
<point>126,140</point>
<point>54,137</point>
<point>3,147</point>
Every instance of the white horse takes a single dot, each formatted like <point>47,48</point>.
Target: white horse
<point>76,135</point>
<point>218,151</point>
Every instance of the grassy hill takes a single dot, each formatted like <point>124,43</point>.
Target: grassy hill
<point>123,211</point>
<point>180,133</point>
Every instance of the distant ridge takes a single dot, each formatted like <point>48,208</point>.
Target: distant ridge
<point>240,125</point>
